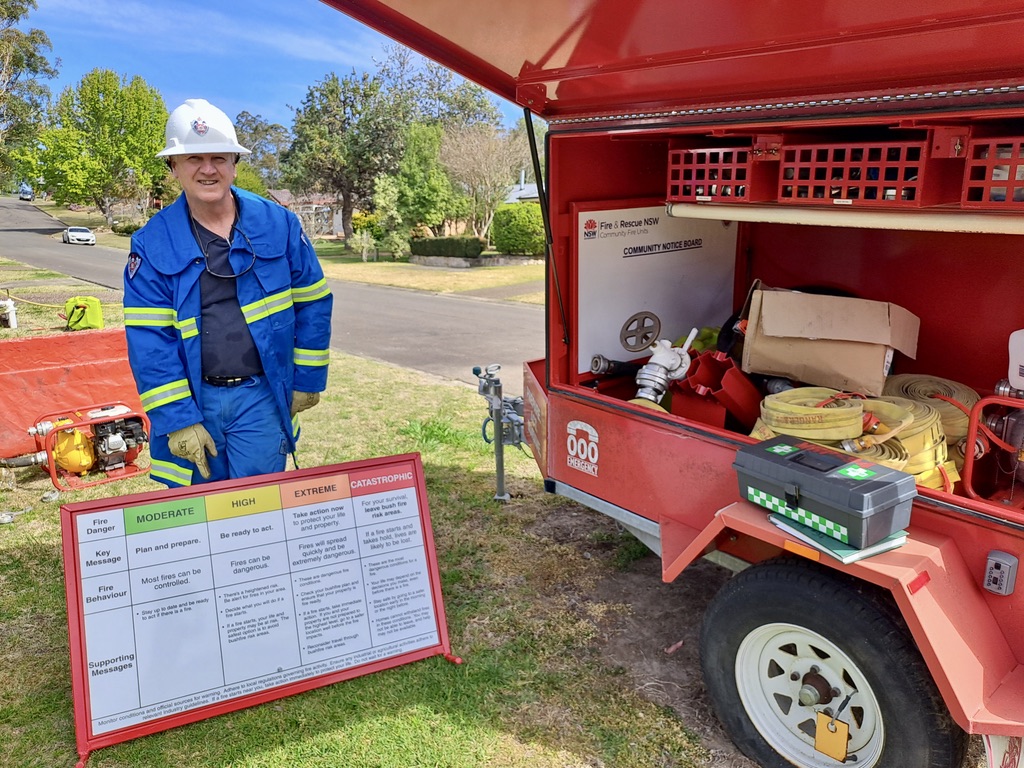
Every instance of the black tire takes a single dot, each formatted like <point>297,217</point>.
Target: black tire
<point>775,620</point>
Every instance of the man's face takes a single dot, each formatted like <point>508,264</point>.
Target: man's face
<point>205,179</point>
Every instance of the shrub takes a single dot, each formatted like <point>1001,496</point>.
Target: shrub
<point>464,247</point>
<point>367,222</point>
<point>126,227</point>
<point>518,228</point>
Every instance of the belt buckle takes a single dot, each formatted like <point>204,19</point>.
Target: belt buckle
<point>225,381</point>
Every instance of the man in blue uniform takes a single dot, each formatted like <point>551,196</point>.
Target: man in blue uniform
<point>227,314</point>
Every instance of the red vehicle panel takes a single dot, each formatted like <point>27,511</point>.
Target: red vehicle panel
<point>872,151</point>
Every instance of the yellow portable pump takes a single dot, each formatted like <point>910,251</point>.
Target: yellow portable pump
<point>107,438</point>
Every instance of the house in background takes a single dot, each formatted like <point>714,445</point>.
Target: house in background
<point>282,197</point>
<point>523,192</point>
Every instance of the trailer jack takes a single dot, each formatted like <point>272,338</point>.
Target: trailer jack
<point>506,411</point>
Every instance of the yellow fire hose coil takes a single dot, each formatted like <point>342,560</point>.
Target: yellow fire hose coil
<point>894,418</point>
<point>935,479</point>
<point>890,454</point>
<point>924,439</point>
<point>923,388</point>
<point>813,413</point>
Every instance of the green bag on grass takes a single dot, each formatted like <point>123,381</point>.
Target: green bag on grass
<point>83,313</point>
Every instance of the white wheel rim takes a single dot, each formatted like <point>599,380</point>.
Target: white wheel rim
<point>766,662</point>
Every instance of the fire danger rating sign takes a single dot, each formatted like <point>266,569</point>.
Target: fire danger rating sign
<point>193,602</point>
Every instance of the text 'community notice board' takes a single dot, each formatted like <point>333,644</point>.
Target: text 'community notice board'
<point>189,603</point>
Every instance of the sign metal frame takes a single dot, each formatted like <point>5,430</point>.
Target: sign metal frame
<point>362,472</point>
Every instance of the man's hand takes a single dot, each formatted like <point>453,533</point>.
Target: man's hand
<point>303,400</point>
<point>192,444</point>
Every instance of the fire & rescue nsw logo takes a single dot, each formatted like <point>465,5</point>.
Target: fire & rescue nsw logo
<point>589,229</point>
<point>199,126</point>
<point>581,447</point>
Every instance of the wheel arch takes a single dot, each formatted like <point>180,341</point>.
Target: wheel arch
<point>971,663</point>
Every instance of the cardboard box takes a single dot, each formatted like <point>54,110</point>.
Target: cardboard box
<point>826,341</point>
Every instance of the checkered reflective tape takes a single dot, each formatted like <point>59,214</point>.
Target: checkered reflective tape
<point>800,515</point>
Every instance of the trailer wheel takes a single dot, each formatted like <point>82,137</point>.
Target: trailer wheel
<point>786,639</point>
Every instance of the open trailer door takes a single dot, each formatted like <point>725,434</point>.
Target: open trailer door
<point>653,59</point>
<point>632,91</point>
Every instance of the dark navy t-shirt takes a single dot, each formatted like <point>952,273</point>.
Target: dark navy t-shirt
<point>227,345</point>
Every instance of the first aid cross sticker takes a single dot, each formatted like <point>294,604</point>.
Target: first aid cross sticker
<point>782,450</point>
<point>856,473</point>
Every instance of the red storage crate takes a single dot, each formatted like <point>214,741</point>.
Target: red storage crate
<point>893,174</point>
<point>994,176</point>
<point>720,175</point>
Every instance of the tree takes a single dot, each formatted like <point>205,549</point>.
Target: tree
<point>522,142</point>
<point>268,142</point>
<point>249,178</point>
<point>347,133</point>
<point>484,161</point>
<point>432,93</point>
<point>425,193</point>
<point>448,99</point>
<point>23,64</point>
<point>104,141</point>
<point>395,238</point>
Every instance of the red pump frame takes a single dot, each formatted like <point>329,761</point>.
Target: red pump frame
<point>66,481</point>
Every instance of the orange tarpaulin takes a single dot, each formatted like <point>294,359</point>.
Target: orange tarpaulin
<point>64,372</point>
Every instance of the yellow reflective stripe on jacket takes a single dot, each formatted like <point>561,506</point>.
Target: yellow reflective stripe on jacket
<point>168,393</point>
<point>295,427</point>
<point>170,472</point>
<point>312,292</point>
<point>148,317</point>
<point>187,327</point>
<point>267,307</point>
<point>312,356</point>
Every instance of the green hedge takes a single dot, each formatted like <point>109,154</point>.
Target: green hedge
<point>519,229</point>
<point>126,227</point>
<point>462,247</point>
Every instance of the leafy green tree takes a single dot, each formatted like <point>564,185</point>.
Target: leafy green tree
<point>426,195</point>
<point>519,229</point>
<point>268,142</point>
<point>432,93</point>
<point>395,232</point>
<point>104,141</point>
<point>249,178</point>
<point>347,133</point>
<point>450,100</point>
<point>23,65</point>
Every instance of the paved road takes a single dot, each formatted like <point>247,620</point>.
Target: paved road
<point>442,334</point>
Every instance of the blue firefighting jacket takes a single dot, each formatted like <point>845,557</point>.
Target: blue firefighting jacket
<point>284,299</point>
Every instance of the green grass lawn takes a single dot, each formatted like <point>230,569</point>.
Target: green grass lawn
<point>534,689</point>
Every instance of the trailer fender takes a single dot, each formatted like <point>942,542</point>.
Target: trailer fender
<point>980,679</point>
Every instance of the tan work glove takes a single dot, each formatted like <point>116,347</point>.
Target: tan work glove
<point>192,444</point>
<point>303,400</point>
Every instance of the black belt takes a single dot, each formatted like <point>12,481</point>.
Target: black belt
<point>227,381</point>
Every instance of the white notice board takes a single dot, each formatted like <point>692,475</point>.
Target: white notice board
<point>638,258</point>
<point>187,603</point>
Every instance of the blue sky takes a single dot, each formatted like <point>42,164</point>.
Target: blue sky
<point>258,56</point>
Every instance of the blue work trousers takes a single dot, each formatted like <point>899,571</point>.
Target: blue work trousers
<point>246,427</point>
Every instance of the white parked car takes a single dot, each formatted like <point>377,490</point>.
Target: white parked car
<point>82,235</point>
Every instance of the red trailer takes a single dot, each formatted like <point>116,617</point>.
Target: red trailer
<point>698,155</point>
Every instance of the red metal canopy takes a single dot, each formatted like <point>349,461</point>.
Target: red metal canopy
<point>577,58</point>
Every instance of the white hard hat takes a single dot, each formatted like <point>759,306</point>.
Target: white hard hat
<point>199,128</point>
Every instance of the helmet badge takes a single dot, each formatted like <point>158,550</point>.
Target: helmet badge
<point>199,126</point>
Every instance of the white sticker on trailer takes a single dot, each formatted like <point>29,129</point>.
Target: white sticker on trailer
<point>1004,751</point>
